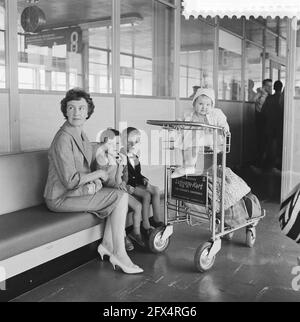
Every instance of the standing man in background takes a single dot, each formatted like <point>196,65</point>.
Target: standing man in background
<point>273,113</point>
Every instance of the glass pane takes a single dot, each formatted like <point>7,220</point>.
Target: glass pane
<point>146,61</point>
<point>62,43</point>
<point>196,55</point>
<point>253,71</point>
<point>268,71</point>
<point>184,90</point>
<point>273,24</point>
<point>230,67</point>
<point>271,44</point>
<point>283,27</point>
<point>2,44</point>
<point>233,24</point>
<point>100,55</point>
<point>282,47</point>
<point>283,75</point>
<point>254,32</point>
<point>126,61</point>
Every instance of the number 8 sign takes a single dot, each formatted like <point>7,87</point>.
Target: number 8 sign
<point>74,39</point>
<point>74,42</point>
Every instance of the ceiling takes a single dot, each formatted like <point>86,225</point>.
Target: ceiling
<point>61,13</point>
<point>72,12</point>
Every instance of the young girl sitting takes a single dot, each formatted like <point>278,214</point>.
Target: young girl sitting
<point>190,141</point>
<point>138,185</point>
<point>108,159</point>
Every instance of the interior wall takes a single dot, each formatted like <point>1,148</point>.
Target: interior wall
<point>234,113</point>
<point>4,123</point>
<point>23,177</point>
<point>40,118</point>
<point>135,112</point>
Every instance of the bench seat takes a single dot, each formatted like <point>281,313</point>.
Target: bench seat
<point>29,228</point>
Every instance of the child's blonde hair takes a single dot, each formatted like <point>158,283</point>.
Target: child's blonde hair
<point>108,134</point>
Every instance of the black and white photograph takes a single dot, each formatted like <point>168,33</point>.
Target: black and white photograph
<point>149,153</point>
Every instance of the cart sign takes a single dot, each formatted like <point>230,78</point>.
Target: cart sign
<point>191,188</point>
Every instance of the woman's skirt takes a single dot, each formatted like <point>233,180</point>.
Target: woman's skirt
<point>102,203</point>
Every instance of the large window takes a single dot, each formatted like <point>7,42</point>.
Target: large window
<point>271,44</point>
<point>100,58</point>
<point>230,67</point>
<point>233,24</point>
<point>253,70</point>
<point>196,56</point>
<point>254,31</point>
<point>69,48</point>
<point>147,41</point>
<point>2,44</point>
<point>51,58</point>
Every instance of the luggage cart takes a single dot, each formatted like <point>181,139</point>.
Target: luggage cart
<point>178,198</point>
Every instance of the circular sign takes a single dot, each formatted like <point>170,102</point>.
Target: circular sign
<point>32,19</point>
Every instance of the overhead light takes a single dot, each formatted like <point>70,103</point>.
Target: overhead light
<point>127,19</point>
<point>33,19</point>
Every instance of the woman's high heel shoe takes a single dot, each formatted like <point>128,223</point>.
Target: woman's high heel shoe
<point>126,269</point>
<point>103,251</point>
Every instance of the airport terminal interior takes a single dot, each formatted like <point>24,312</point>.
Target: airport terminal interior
<point>144,60</point>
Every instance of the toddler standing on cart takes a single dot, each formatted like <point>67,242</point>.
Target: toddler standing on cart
<point>189,142</point>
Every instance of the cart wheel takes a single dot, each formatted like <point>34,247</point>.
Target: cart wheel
<point>201,260</point>
<point>155,243</point>
<point>228,236</point>
<point>250,237</point>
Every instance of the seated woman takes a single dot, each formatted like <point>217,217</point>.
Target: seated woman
<point>70,158</point>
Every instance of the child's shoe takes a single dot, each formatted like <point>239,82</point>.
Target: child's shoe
<point>179,172</point>
<point>137,238</point>
<point>146,232</point>
<point>128,244</point>
<point>155,223</point>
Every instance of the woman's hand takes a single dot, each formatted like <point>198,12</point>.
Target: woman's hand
<point>98,185</point>
<point>102,175</point>
<point>130,189</point>
<point>122,186</point>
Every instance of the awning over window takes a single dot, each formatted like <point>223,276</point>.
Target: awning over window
<point>273,8</point>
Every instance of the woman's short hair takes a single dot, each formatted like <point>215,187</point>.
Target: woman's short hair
<point>75,94</point>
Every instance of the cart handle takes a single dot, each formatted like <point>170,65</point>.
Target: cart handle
<point>184,123</point>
